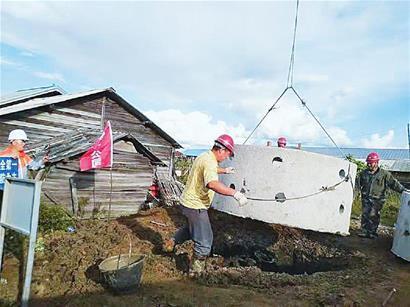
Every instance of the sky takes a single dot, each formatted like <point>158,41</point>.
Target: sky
<point>201,69</point>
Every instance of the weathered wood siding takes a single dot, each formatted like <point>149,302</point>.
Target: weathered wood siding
<point>47,122</point>
<point>132,175</point>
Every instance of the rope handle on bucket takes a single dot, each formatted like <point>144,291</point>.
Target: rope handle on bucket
<point>129,253</point>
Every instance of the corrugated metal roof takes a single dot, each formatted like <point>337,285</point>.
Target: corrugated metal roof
<point>361,153</point>
<point>27,94</point>
<point>402,166</point>
<point>357,153</point>
<point>41,102</point>
<point>110,92</point>
<point>194,152</point>
<point>69,145</point>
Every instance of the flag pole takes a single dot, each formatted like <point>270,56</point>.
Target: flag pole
<point>109,204</point>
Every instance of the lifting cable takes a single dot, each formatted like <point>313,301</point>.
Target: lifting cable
<point>289,85</point>
<point>282,199</point>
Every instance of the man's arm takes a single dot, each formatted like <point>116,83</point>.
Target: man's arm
<point>226,170</point>
<point>394,184</point>
<point>220,188</point>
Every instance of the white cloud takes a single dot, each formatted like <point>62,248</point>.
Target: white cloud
<point>194,129</point>
<point>27,54</point>
<point>49,76</point>
<point>311,77</point>
<point>379,141</point>
<point>4,61</point>
<point>228,60</point>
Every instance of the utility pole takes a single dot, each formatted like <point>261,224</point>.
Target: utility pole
<point>408,136</point>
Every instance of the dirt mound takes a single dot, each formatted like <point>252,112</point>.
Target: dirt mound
<point>272,264</point>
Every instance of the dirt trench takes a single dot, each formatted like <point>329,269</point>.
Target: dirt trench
<point>252,262</point>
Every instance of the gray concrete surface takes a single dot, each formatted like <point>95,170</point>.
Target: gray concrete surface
<point>301,177</point>
<point>401,241</point>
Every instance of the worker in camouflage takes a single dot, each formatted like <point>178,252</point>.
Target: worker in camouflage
<point>373,183</point>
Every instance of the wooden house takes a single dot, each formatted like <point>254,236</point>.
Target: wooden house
<point>67,125</point>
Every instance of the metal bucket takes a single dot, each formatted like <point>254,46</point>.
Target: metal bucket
<point>122,273</point>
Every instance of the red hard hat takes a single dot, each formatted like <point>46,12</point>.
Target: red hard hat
<point>282,140</point>
<point>372,157</point>
<point>226,141</point>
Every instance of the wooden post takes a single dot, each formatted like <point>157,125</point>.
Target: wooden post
<point>74,196</point>
<point>103,113</point>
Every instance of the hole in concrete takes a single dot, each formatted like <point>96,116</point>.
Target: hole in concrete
<point>341,209</point>
<point>232,186</point>
<point>406,233</point>
<point>243,190</point>
<point>280,197</point>
<point>342,173</point>
<point>277,159</point>
<point>408,203</point>
<point>292,262</point>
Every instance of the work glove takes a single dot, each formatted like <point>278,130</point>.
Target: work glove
<point>240,198</point>
<point>406,190</point>
<point>229,170</point>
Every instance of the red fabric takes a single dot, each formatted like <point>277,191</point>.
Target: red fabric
<point>24,159</point>
<point>100,155</point>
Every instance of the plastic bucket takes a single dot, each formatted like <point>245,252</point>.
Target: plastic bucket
<point>122,273</point>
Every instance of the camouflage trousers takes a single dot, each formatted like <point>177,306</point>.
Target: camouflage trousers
<point>371,214</point>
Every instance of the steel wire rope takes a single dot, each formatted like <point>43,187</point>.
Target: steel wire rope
<point>289,85</point>
<point>321,126</point>
<point>292,57</point>
<point>321,190</point>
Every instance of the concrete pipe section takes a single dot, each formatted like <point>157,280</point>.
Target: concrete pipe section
<point>401,241</point>
<point>290,187</point>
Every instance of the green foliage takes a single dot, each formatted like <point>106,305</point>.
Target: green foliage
<point>184,165</point>
<point>388,215</point>
<point>360,165</point>
<point>82,203</point>
<point>53,218</point>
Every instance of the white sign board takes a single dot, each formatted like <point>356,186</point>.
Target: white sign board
<point>19,212</point>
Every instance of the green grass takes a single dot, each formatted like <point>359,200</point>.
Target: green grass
<point>389,212</point>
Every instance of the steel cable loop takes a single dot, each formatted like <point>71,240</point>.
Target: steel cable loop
<point>263,118</point>
<point>321,190</point>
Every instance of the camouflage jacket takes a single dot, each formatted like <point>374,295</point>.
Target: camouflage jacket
<point>374,186</point>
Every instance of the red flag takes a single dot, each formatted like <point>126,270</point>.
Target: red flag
<point>100,155</point>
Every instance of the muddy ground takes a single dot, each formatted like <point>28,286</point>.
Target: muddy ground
<point>254,264</point>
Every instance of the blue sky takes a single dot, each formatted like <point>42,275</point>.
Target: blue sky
<point>199,69</point>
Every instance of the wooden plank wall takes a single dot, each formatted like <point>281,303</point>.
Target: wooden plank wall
<point>132,172</point>
<point>132,175</point>
<point>47,122</point>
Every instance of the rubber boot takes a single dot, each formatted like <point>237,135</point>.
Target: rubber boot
<point>198,265</point>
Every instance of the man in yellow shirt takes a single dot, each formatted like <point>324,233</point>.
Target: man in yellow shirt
<point>197,197</point>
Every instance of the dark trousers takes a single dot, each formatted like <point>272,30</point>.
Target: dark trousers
<point>371,214</point>
<point>198,229</point>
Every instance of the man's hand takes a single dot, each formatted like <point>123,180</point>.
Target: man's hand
<point>229,170</point>
<point>240,198</point>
